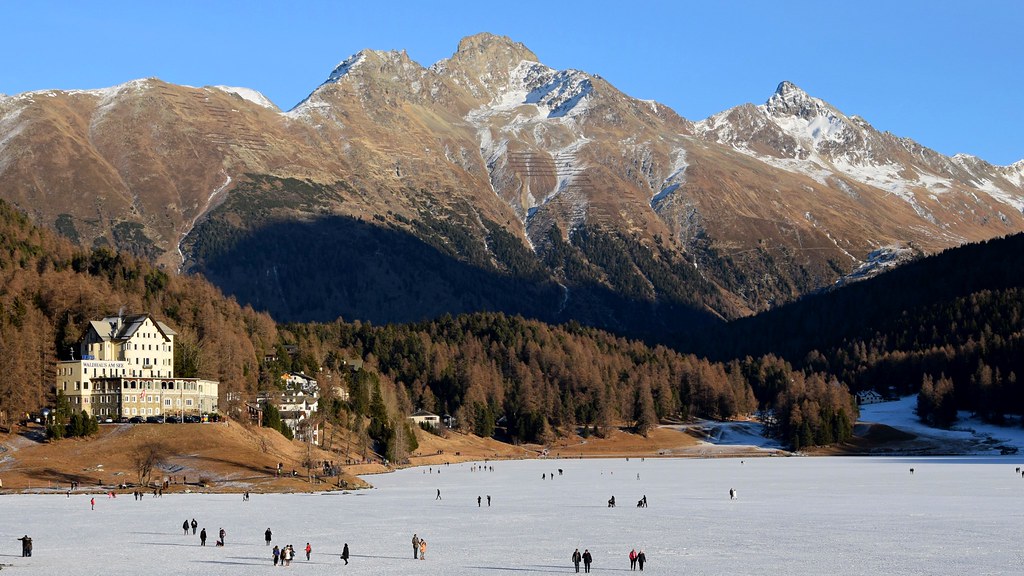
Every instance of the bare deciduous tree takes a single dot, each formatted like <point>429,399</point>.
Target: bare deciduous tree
<point>147,457</point>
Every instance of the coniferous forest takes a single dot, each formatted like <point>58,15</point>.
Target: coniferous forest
<point>949,326</point>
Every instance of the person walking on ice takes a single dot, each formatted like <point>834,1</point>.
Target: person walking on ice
<point>184,526</point>
<point>640,559</point>
<point>309,550</point>
<point>423,549</point>
<point>438,494</point>
<point>344,553</point>
<point>576,559</point>
<point>194,526</point>
<point>202,537</point>
<point>587,559</point>
<point>267,536</point>
<point>415,546</point>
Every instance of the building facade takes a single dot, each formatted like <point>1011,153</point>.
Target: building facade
<point>126,368</point>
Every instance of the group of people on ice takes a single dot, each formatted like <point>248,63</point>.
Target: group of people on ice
<point>284,556</point>
<point>419,547</point>
<point>637,559</point>
<point>202,533</point>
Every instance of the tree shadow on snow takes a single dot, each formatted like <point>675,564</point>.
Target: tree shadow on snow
<point>260,562</point>
<point>381,557</point>
<point>542,568</point>
<point>189,545</point>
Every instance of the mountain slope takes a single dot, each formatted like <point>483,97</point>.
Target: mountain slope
<point>489,181</point>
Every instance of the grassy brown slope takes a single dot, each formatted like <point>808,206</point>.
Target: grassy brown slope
<point>222,457</point>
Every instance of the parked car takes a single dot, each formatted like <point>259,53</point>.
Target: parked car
<point>154,419</point>
<point>193,419</point>
<point>136,420</point>
<point>172,420</point>
<point>107,420</point>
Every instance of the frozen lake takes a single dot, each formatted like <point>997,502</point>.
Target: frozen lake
<point>793,516</point>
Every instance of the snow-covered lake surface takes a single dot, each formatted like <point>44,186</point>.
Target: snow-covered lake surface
<point>793,516</point>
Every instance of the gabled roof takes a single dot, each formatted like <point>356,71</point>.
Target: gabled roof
<point>424,413</point>
<point>124,327</point>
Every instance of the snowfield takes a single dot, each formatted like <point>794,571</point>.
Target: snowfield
<point>793,516</point>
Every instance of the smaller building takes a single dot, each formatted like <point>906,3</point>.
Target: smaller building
<point>422,417</point>
<point>869,397</point>
<point>298,382</point>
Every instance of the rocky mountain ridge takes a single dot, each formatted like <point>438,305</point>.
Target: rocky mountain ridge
<point>563,196</point>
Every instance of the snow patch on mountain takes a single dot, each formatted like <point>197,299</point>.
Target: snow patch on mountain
<point>532,100</point>
<point>108,97</point>
<point>345,66</point>
<point>249,94</point>
<point>675,179</point>
<point>879,260</point>
<point>206,207</point>
<point>10,128</point>
<point>555,94</point>
<point>567,172</point>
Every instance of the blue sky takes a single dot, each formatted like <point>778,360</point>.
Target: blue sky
<point>947,74</point>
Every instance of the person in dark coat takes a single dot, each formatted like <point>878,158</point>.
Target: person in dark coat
<point>26,546</point>
<point>640,559</point>
<point>344,553</point>
<point>415,547</point>
<point>202,537</point>
<point>267,536</point>
<point>587,559</point>
<point>184,526</point>
<point>194,526</point>
<point>576,558</point>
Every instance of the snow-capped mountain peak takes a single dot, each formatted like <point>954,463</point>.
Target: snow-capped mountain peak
<point>790,99</point>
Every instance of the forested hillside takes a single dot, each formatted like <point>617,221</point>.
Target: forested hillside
<point>490,370</point>
<point>952,324</point>
<point>49,290</point>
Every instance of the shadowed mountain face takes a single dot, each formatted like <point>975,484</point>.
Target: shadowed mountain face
<point>572,199</point>
<point>390,269</point>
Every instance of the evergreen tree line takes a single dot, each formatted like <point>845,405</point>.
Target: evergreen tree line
<point>533,381</point>
<point>950,326</point>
